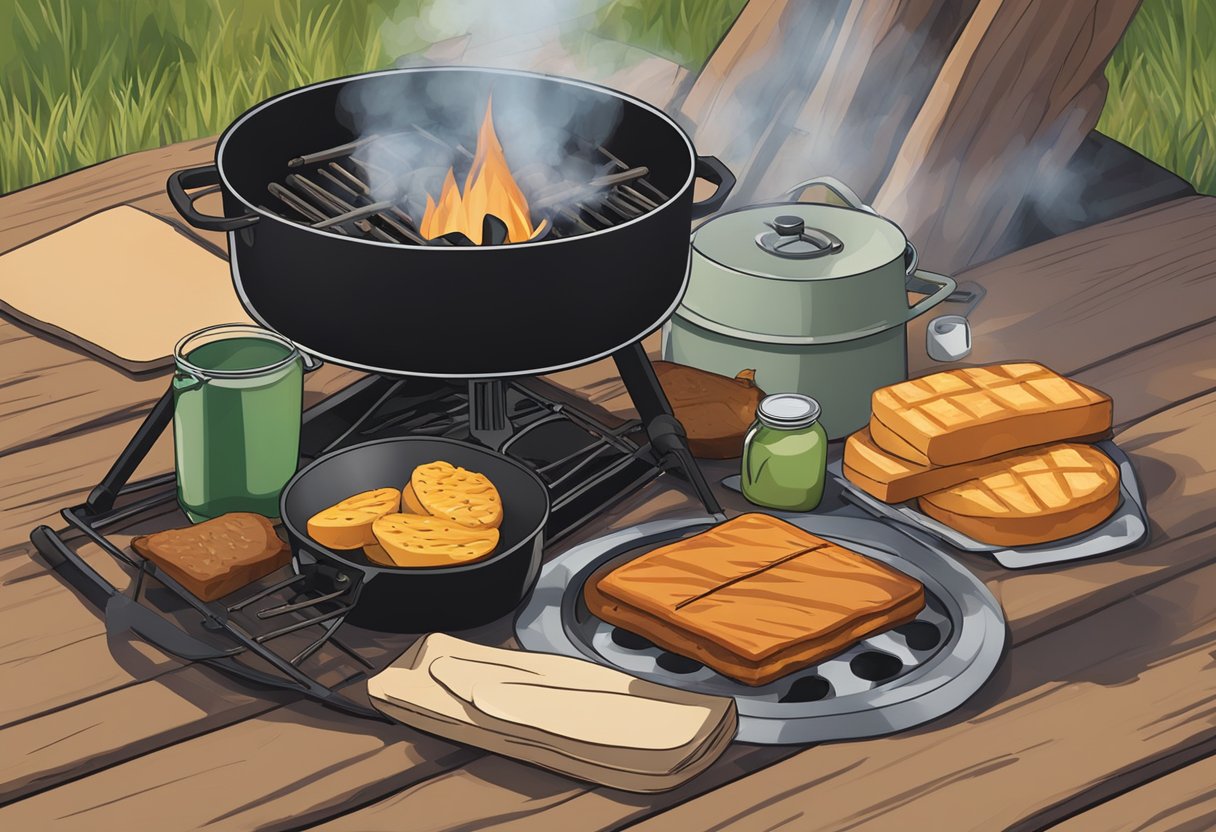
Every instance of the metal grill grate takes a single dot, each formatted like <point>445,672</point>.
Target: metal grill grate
<point>331,190</point>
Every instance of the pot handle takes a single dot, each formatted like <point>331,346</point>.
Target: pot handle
<point>850,198</point>
<point>946,287</point>
<point>712,169</point>
<point>201,177</point>
<point>843,191</point>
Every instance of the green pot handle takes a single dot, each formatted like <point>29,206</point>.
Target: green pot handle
<point>946,287</point>
<point>850,198</point>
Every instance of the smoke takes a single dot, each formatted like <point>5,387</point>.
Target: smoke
<point>418,125</point>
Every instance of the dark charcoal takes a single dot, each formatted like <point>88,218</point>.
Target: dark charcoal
<point>679,664</point>
<point>874,666</point>
<point>807,689</point>
<point>920,635</point>
<point>493,231</point>
<point>628,640</point>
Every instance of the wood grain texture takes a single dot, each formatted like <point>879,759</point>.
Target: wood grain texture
<point>1119,693</point>
<point>1019,92</point>
<point>75,741</point>
<point>1184,799</point>
<point>278,770</point>
<point>799,89</point>
<point>136,179</point>
<point>54,651</point>
<point>1080,299</point>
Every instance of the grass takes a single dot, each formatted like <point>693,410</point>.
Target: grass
<point>1162,99</point>
<point>86,80</point>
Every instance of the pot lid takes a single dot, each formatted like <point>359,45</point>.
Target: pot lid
<point>800,241</point>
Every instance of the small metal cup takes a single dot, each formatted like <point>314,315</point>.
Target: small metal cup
<point>948,338</point>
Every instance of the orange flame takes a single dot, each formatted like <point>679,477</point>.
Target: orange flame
<point>488,189</point>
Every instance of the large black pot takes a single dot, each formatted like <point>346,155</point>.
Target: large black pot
<point>524,308</point>
<point>397,600</point>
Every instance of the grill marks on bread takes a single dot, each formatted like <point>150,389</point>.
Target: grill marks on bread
<point>754,598</point>
<point>1043,496</point>
<point>966,414</point>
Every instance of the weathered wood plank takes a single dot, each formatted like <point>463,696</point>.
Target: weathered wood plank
<point>279,770</point>
<point>138,179</point>
<point>1080,299</point>
<point>1113,696</point>
<point>1018,94</point>
<point>87,736</point>
<point>1182,799</point>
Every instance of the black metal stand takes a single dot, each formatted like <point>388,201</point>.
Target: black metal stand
<point>667,436</point>
<point>586,465</point>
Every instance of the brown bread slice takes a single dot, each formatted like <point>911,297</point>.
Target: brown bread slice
<point>705,596</point>
<point>968,414</point>
<point>219,556</point>
<point>1038,497</point>
<point>715,411</point>
<point>892,479</point>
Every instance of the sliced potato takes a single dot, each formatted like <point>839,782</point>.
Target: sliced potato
<point>417,540</point>
<point>410,504</point>
<point>348,525</point>
<point>456,494</point>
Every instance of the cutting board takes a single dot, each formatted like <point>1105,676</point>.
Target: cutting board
<point>564,714</point>
<point>121,284</point>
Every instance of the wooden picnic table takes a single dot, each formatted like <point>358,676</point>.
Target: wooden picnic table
<point>1100,716</point>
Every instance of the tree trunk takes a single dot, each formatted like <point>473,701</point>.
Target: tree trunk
<point>1017,96</point>
<point>799,89</point>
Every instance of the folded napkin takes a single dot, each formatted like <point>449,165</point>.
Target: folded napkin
<point>121,284</point>
<point>564,714</point>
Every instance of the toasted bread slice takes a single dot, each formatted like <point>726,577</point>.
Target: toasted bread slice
<point>455,494</point>
<point>1035,498</point>
<point>968,414</point>
<point>219,556</point>
<point>417,540</point>
<point>893,479</point>
<point>348,525</point>
<point>754,598</point>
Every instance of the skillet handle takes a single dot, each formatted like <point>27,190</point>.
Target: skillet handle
<point>201,177</point>
<point>711,169</point>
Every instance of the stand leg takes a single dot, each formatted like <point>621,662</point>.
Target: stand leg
<point>667,436</point>
<point>101,498</point>
<point>488,420</point>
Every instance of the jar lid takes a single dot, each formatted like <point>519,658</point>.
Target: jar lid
<point>788,411</point>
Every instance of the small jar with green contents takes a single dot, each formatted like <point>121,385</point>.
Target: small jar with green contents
<point>785,454</point>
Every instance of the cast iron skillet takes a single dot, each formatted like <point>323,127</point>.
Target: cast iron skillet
<point>398,600</point>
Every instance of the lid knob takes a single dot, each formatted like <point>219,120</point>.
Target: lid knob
<point>788,226</point>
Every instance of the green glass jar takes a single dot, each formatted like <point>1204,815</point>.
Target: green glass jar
<point>785,454</point>
<point>237,398</point>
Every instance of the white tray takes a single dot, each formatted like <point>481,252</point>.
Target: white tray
<point>1127,527</point>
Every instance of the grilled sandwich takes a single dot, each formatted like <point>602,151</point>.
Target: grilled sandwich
<point>754,598</point>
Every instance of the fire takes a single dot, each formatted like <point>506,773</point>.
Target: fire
<point>488,189</point>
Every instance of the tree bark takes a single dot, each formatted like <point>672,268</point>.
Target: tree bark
<point>799,89</point>
<point>1017,96</point>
